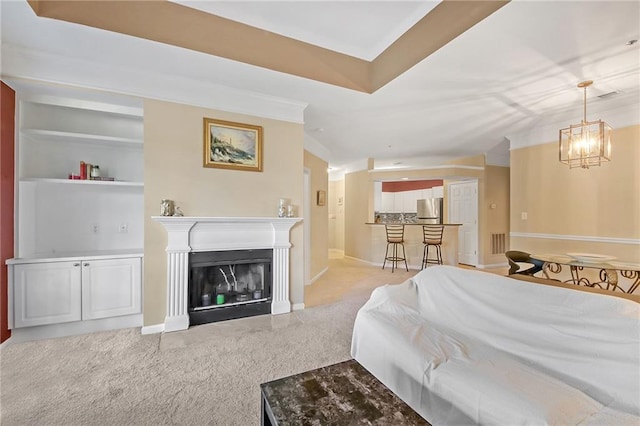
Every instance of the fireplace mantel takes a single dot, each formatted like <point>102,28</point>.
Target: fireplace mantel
<point>194,234</point>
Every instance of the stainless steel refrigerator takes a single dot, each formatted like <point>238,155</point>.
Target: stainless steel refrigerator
<point>430,210</point>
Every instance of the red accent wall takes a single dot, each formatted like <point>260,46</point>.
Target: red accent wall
<point>7,123</point>
<point>409,185</point>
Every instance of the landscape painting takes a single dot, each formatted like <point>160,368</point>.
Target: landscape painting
<point>230,145</point>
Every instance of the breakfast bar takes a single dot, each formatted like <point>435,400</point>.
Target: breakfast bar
<point>413,238</point>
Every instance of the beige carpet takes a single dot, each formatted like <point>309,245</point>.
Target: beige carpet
<point>209,374</point>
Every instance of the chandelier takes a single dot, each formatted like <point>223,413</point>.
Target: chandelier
<point>588,143</point>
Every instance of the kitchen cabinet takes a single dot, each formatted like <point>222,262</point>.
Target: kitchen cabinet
<point>377,196</point>
<point>410,201</point>
<point>52,292</point>
<point>438,192</point>
<point>388,202</point>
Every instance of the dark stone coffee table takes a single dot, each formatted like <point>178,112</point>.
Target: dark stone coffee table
<point>340,394</point>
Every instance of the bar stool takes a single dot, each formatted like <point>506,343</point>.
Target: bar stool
<point>432,237</point>
<point>395,238</point>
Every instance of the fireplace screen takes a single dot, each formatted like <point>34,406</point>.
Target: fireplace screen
<point>229,284</point>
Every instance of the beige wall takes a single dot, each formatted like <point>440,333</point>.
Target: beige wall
<point>496,218</point>
<point>358,208</point>
<point>597,202</point>
<point>319,214</point>
<point>173,169</point>
<point>493,188</point>
<point>336,215</point>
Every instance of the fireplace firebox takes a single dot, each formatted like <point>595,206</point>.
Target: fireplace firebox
<point>230,284</point>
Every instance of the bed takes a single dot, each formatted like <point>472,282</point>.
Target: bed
<point>468,347</point>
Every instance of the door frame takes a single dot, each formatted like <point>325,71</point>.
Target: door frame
<point>474,182</point>
<point>306,225</point>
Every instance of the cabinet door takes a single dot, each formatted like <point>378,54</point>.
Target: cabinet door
<point>377,196</point>
<point>387,202</point>
<point>410,201</point>
<point>438,191</point>
<point>111,288</point>
<point>46,293</point>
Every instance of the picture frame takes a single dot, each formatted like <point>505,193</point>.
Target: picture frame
<point>321,199</point>
<point>231,145</point>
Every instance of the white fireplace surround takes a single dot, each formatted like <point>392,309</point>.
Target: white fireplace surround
<point>195,234</point>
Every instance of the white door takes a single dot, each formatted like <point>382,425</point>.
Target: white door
<point>111,288</point>
<point>46,293</point>
<point>463,209</point>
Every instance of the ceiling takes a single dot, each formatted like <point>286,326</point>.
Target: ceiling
<point>514,70</point>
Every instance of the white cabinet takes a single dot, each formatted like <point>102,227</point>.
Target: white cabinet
<point>46,293</point>
<point>409,201</point>
<point>388,202</point>
<point>74,290</point>
<point>438,192</point>
<point>110,288</point>
<point>377,196</point>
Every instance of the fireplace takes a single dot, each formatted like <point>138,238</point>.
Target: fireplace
<point>189,236</point>
<point>229,284</point>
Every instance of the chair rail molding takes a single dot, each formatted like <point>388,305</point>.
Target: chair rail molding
<point>594,239</point>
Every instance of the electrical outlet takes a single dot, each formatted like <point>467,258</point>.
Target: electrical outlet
<point>95,228</point>
<point>123,228</point>
<point>523,215</point>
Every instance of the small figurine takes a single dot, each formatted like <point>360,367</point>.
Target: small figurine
<point>178,212</point>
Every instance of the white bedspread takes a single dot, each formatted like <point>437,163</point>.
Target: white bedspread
<point>469,347</point>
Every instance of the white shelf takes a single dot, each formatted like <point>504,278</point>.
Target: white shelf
<point>85,255</point>
<point>83,182</point>
<point>59,136</point>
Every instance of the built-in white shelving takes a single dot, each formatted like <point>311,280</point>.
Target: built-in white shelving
<point>60,136</point>
<point>83,182</point>
<point>58,214</point>
<point>78,264</point>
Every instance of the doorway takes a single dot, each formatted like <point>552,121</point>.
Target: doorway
<point>306,225</point>
<point>463,209</point>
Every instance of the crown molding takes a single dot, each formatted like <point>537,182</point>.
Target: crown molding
<point>51,68</point>
<point>316,148</point>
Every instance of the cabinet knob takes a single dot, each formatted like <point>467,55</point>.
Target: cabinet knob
<point>76,264</point>
<point>86,264</point>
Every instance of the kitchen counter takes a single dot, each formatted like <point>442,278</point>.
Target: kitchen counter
<point>413,238</point>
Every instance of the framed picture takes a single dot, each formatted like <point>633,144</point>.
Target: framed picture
<point>322,198</point>
<point>229,145</point>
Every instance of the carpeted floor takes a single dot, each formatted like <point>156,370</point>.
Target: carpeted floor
<point>209,374</point>
<point>206,375</point>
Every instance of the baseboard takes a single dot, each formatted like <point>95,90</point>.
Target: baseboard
<point>379,264</point>
<point>314,279</point>
<point>297,306</point>
<point>493,265</point>
<point>152,329</point>
<point>359,260</point>
<point>51,331</point>
<point>5,343</point>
